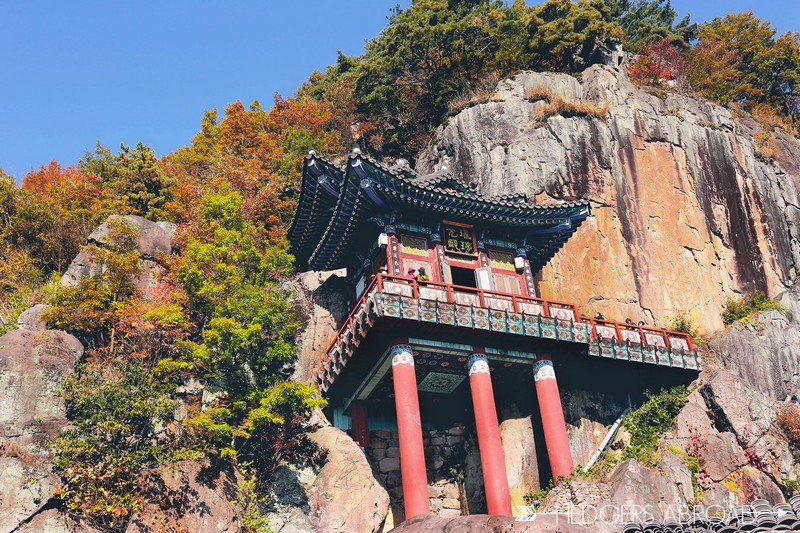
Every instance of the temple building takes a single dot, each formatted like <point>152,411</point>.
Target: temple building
<point>447,329</point>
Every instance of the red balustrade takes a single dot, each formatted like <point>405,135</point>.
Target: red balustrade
<point>384,283</point>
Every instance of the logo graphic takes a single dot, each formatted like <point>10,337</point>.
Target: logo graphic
<point>527,513</point>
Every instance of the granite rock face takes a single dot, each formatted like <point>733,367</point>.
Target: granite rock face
<point>686,212</point>
<point>153,238</point>
<point>342,496</point>
<point>324,298</point>
<point>33,364</point>
<point>192,497</point>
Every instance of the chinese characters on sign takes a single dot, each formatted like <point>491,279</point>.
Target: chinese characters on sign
<point>458,239</point>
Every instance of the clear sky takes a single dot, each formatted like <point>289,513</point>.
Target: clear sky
<point>74,73</point>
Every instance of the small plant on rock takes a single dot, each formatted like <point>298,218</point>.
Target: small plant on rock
<point>648,422</point>
<point>789,421</point>
<point>682,323</point>
<point>742,309</point>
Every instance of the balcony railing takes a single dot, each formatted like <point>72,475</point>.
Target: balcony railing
<point>427,301</point>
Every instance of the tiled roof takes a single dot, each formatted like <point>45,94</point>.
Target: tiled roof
<point>335,203</point>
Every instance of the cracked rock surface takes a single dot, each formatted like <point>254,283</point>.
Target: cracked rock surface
<point>685,210</point>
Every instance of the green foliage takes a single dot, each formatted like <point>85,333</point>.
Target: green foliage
<point>248,327</point>
<point>648,422</point>
<point>565,35</point>
<point>115,412</point>
<point>682,323</point>
<point>250,501</point>
<point>600,471</point>
<point>437,54</point>
<point>135,178</point>
<point>536,497</point>
<point>791,487</point>
<point>741,309</point>
<point>88,309</point>
<point>647,21</point>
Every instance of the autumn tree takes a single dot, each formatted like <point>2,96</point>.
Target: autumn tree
<point>768,69</point>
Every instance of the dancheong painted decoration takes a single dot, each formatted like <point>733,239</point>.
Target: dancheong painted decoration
<point>447,324</point>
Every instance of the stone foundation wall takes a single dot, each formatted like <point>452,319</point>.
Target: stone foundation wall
<point>445,458</point>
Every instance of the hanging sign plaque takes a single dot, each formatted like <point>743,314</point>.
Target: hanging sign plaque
<point>459,239</point>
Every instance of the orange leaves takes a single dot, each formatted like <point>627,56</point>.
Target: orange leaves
<point>54,179</point>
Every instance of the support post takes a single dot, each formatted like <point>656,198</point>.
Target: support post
<point>555,429</point>
<point>360,422</point>
<point>409,429</point>
<point>493,464</point>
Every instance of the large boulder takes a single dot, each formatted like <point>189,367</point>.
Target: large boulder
<point>191,497</point>
<point>481,523</point>
<point>634,484</point>
<point>152,238</point>
<point>345,495</point>
<point>519,450</point>
<point>342,496</point>
<point>324,297</point>
<point>765,352</point>
<point>33,364</point>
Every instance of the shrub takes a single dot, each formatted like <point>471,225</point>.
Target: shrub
<point>556,105</point>
<point>789,422</point>
<point>743,308</point>
<point>648,422</point>
<point>115,414</point>
<point>682,323</point>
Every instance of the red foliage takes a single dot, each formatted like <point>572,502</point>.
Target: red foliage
<point>789,421</point>
<point>659,61</point>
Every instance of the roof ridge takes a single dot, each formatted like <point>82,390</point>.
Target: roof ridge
<point>314,155</point>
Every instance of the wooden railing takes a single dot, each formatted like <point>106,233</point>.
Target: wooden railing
<point>456,294</point>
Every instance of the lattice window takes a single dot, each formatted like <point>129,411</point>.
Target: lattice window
<point>501,260</point>
<point>414,245</point>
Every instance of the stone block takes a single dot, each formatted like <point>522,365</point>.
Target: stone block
<point>379,454</point>
<point>451,491</point>
<point>393,452</point>
<point>377,443</point>
<point>436,505</point>
<point>454,440</point>
<point>436,491</point>
<point>389,464</point>
<point>438,441</point>
<point>382,434</point>
<point>450,513</point>
<point>458,430</point>
<point>451,503</point>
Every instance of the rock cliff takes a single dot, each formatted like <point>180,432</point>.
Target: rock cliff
<point>687,210</point>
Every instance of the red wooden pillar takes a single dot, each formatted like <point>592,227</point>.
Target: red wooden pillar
<point>409,429</point>
<point>493,464</point>
<point>555,429</point>
<point>360,422</point>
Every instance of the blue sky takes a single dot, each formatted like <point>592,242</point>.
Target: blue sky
<point>74,73</point>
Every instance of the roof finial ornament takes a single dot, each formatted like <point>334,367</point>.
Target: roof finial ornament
<point>444,168</point>
<point>401,162</point>
<point>356,151</point>
<point>312,152</point>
